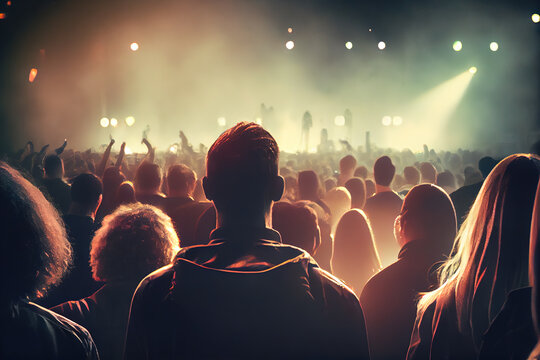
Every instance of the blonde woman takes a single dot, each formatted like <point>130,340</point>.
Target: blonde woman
<point>490,260</point>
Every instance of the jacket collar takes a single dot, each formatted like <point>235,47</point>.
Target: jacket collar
<point>224,234</point>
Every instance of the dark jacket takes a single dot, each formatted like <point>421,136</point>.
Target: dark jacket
<point>28,331</point>
<point>511,335</point>
<point>104,314</point>
<point>244,295</point>
<point>390,297</point>
<point>436,335</point>
<point>59,193</point>
<point>184,215</point>
<point>463,198</point>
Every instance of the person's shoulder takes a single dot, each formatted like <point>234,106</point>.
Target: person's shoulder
<point>158,281</point>
<point>62,325</point>
<point>381,281</point>
<point>332,287</point>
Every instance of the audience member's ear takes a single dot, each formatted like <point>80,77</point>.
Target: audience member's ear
<point>209,189</point>
<point>398,231</point>
<point>278,186</point>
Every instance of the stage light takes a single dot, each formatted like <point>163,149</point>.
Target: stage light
<point>397,120</point>
<point>32,75</point>
<point>473,70</point>
<point>134,46</point>
<point>339,120</point>
<point>369,30</point>
<point>8,3</point>
<point>128,151</point>
<point>104,122</point>
<point>457,46</point>
<point>493,46</point>
<point>114,122</point>
<point>258,121</point>
<point>348,45</point>
<point>386,121</point>
<point>173,149</point>
<point>221,121</point>
<point>289,30</point>
<point>381,45</point>
<point>535,18</point>
<point>289,44</point>
<point>2,15</point>
<point>130,120</point>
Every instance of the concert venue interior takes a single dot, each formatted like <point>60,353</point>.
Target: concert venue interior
<point>409,142</point>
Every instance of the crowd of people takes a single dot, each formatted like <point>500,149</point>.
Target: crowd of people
<point>239,251</point>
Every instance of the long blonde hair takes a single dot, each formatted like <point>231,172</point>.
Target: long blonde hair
<point>490,254</point>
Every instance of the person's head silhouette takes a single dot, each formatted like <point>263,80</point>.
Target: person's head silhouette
<point>383,171</point>
<point>242,175</point>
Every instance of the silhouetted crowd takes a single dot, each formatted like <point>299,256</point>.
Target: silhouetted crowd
<point>238,251</point>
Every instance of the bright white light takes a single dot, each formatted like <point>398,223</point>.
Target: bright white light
<point>134,46</point>
<point>221,121</point>
<point>339,120</point>
<point>289,30</point>
<point>289,44</point>
<point>457,46</point>
<point>381,45</point>
<point>258,121</point>
<point>473,69</point>
<point>494,46</point>
<point>130,120</point>
<point>104,122</point>
<point>387,120</point>
<point>114,122</point>
<point>173,149</point>
<point>397,120</point>
<point>128,151</point>
<point>348,45</point>
<point>535,18</point>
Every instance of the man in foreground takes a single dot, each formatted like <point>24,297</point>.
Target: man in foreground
<point>245,294</point>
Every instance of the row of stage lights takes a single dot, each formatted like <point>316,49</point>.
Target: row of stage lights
<point>113,122</point>
<point>457,45</point>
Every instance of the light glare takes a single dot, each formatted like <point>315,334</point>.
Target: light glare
<point>348,45</point>
<point>386,121</point>
<point>397,120</point>
<point>114,122</point>
<point>258,121</point>
<point>134,46</point>
<point>289,44</point>
<point>494,46</point>
<point>289,30</point>
<point>381,45</point>
<point>339,120</point>
<point>457,46</point>
<point>104,122</point>
<point>221,121</point>
<point>535,18</point>
<point>473,69</point>
<point>130,120</point>
<point>32,75</point>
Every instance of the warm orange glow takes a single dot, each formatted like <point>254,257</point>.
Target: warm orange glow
<point>32,75</point>
<point>8,3</point>
<point>2,15</point>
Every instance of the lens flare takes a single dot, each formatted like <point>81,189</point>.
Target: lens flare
<point>381,45</point>
<point>32,75</point>
<point>130,120</point>
<point>348,45</point>
<point>114,122</point>
<point>397,120</point>
<point>457,46</point>
<point>289,44</point>
<point>104,122</point>
<point>134,46</point>
<point>221,121</point>
<point>289,30</point>
<point>493,46</point>
<point>535,18</point>
<point>473,69</point>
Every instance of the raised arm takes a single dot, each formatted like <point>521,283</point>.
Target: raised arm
<point>60,149</point>
<point>151,151</point>
<point>100,170</point>
<point>121,154</point>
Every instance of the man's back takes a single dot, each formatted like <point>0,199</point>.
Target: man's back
<point>244,295</point>
<point>382,209</point>
<point>59,194</point>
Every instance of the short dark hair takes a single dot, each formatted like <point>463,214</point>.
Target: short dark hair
<point>242,161</point>
<point>429,172</point>
<point>52,164</point>
<point>181,177</point>
<point>383,171</point>
<point>412,175</point>
<point>86,189</point>
<point>486,164</point>
<point>148,176</point>
<point>361,172</point>
<point>298,225</point>
<point>357,188</point>
<point>347,163</point>
<point>308,184</point>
